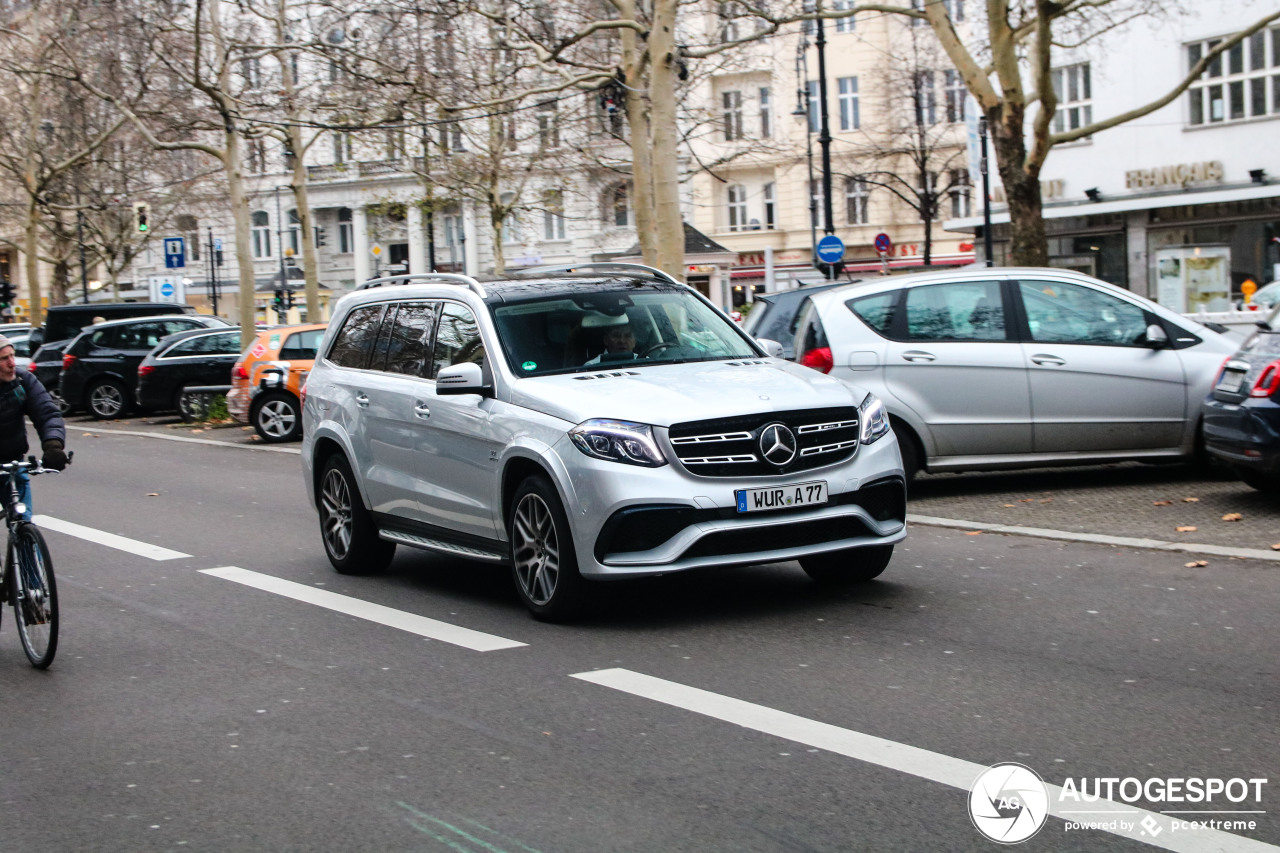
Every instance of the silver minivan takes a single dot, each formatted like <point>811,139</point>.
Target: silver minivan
<point>986,368</point>
<point>587,426</point>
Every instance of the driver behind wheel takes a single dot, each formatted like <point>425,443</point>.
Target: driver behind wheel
<point>618,338</point>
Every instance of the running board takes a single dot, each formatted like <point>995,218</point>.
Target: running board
<point>467,551</point>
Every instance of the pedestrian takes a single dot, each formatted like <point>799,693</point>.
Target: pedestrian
<point>21,394</point>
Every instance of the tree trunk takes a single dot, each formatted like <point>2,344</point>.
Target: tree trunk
<point>665,165</point>
<point>31,262</point>
<point>641,140</point>
<point>240,215</point>
<point>1028,244</point>
<point>496,215</point>
<point>302,200</point>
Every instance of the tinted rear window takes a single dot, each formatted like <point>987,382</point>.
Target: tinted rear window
<point>877,310</point>
<point>357,337</point>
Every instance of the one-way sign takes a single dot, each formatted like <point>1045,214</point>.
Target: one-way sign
<point>175,252</point>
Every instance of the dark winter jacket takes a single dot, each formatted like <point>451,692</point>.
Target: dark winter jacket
<point>25,395</point>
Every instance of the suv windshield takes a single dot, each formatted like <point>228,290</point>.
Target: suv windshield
<point>610,328</point>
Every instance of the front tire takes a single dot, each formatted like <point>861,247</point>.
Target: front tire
<point>107,399</point>
<point>544,563</point>
<point>34,595</point>
<point>350,537</point>
<point>276,416</point>
<point>850,566</point>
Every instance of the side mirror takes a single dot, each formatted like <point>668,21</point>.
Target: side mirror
<point>1156,337</point>
<point>773,348</point>
<point>465,378</point>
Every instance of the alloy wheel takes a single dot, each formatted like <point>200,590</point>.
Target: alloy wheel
<point>106,400</point>
<point>536,550</point>
<point>276,418</point>
<point>335,509</point>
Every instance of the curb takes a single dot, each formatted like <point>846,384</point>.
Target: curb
<point>1098,539</point>
<point>188,439</point>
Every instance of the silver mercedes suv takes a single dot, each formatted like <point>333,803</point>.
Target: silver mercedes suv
<point>587,424</point>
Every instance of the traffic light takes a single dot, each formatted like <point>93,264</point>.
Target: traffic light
<point>288,298</point>
<point>141,215</point>
<point>278,300</point>
<point>7,294</point>
<point>319,236</point>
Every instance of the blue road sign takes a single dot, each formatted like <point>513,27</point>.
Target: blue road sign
<point>830,249</point>
<point>175,252</point>
<point>167,290</point>
<point>883,243</point>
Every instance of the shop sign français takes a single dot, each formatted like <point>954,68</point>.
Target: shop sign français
<point>1176,175</point>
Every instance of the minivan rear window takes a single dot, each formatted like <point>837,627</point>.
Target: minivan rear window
<point>877,310</point>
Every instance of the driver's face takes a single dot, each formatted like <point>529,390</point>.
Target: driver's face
<point>620,339</point>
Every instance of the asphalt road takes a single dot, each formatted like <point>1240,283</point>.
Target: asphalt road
<point>744,710</point>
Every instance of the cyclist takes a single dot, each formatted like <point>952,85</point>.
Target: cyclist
<point>22,394</point>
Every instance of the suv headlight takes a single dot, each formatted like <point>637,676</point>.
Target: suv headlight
<point>618,441</point>
<point>875,420</point>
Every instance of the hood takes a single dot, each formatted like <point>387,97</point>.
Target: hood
<point>663,395</point>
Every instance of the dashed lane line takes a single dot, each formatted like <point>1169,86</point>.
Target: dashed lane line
<point>1152,828</point>
<point>411,622</point>
<point>1098,538</point>
<point>111,540</point>
<point>188,439</point>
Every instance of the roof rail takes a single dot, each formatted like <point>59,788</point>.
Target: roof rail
<point>419,277</point>
<point>597,265</point>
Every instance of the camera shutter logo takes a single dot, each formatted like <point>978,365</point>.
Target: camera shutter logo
<point>777,444</point>
<point>1008,803</point>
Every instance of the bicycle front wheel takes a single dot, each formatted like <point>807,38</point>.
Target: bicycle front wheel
<point>34,596</point>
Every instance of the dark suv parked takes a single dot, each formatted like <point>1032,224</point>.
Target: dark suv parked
<point>64,322</point>
<point>100,365</point>
<point>197,358</point>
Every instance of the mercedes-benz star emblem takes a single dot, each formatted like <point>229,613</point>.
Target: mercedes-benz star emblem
<point>777,444</point>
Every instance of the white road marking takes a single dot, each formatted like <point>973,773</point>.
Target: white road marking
<point>903,758</point>
<point>1098,538</point>
<point>411,622</point>
<point>111,540</point>
<point>91,430</point>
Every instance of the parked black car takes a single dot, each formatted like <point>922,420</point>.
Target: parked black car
<point>773,317</point>
<point>1242,413</point>
<point>195,358</point>
<point>64,322</point>
<point>100,365</point>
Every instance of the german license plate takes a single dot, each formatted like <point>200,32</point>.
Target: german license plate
<point>782,497</point>
<point>1230,382</point>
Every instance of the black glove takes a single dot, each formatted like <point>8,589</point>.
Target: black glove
<point>54,456</point>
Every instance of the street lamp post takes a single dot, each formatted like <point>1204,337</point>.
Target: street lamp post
<point>824,135</point>
<point>986,194</point>
<point>802,112</point>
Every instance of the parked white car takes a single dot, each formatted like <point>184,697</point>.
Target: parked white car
<point>986,368</point>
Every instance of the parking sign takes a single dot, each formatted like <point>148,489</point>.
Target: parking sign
<point>175,252</point>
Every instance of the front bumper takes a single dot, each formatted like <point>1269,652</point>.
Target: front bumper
<point>647,521</point>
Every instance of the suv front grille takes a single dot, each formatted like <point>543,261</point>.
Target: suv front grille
<point>732,447</point>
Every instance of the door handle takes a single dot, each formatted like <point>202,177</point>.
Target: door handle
<point>421,409</point>
<point>1041,358</point>
<point>362,400</point>
<point>918,355</point>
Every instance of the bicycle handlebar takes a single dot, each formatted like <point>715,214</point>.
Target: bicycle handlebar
<point>32,466</point>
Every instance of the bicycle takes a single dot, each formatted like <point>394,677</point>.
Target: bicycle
<point>28,581</point>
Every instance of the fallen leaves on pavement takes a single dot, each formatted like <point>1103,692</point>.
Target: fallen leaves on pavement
<point>1186,528</point>
<point>1161,503</point>
<point>1197,564</point>
<point>1190,500</point>
<point>1232,516</point>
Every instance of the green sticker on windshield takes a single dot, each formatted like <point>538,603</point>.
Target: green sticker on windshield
<point>529,365</point>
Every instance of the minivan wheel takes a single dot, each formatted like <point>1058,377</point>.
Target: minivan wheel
<point>850,566</point>
<point>544,563</point>
<point>107,399</point>
<point>276,417</point>
<point>350,537</point>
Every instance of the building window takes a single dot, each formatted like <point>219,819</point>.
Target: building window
<point>961,194</point>
<point>548,125</point>
<point>737,195</point>
<point>345,241</point>
<point>849,118</point>
<point>809,26</point>
<point>816,207</point>
<point>341,147</point>
<point>729,11</point>
<point>553,215</point>
<point>857,198</point>
<point>261,234</point>
<point>955,10</point>
<point>452,224</point>
<point>732,115</point>
<point>251,71</point>
<point>927,196</point>
<point>1234,86</point>
<point>451,137</point>
<point>510,222</point>
<point>618,206</point>
<point>294,234</point>
<point>395,144</point>
<point>189,227</point>
<point>957,94</point>
<point>611,112</point>
<point>770,208</point>
<point>1075,97</point>
<point>926,101</point>
<point>256,155</point>
<point>812,87</point>
<point>844,25</point>
<point>766,113</point>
